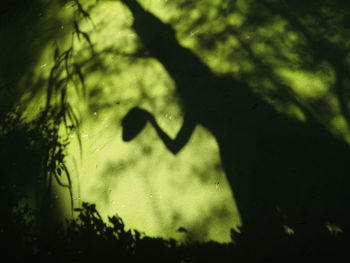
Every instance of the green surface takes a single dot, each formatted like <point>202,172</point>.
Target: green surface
<point>150,188</point>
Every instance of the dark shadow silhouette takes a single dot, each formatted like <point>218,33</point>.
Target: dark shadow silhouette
<point>321,48</point>
<point>89,238</point>
<point>19,22</point>
<point>283,172</point>
<point>32,152</point>
<point>32,159</point>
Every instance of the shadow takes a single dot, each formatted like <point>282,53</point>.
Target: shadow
<point>88,237</point>
<point>30,153</point>
<point>284,173</point>
<point>19,22</point>
<point>33,144</point>
<point>320,42</point>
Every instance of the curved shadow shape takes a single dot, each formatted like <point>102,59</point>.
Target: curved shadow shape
<point>282,172</point>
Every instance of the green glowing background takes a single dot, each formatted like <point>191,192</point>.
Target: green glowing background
<point>151,189</point>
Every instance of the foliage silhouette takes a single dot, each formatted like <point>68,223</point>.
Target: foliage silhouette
<point>88,238</point>
<point>32,155</point>
<point>33,151</point>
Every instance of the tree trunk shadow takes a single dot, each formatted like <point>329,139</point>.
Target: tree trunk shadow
<point>285,174</point>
